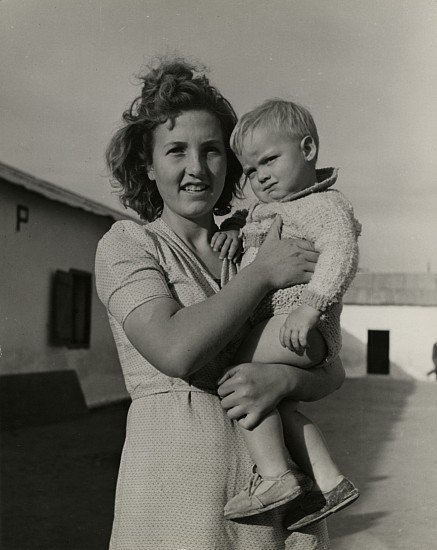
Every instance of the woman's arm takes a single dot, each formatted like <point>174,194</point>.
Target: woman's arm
<point>179,341</point>
<point>251,390</point>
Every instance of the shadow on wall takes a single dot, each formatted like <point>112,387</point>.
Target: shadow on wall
<point>354,357</point>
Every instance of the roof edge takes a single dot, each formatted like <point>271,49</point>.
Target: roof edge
<point>59,194</point>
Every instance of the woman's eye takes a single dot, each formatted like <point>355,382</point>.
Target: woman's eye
<point>213,150</point>
<point>175,151</point>
<point>270,160</point>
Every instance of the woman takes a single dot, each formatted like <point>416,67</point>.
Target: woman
<point>177,313</point>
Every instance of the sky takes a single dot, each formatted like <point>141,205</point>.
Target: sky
<point>366,70</point>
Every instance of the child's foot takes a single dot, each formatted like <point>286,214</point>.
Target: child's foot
<point>314,505</point>
<point>265,493</point>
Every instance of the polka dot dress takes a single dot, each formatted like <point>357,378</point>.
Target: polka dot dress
<point>183,459</point>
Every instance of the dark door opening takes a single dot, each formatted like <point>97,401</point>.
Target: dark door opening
<point>378,356</point>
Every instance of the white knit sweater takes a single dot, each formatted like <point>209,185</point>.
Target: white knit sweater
<point>324,217</point>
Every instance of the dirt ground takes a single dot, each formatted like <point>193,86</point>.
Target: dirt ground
<point>58,481</point>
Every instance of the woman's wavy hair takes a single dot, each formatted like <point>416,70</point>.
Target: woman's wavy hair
<point>173,87</point>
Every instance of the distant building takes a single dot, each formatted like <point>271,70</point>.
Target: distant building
<point>389,324</point>
<point>51,318</point>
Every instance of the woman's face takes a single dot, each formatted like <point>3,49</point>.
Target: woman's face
<point>189,165</point>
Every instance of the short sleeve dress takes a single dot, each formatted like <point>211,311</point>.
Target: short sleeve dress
<point>183,459</point>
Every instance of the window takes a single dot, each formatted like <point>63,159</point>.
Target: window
<point>70,324</point>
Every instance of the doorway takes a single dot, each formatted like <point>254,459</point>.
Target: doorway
<point>378,352</point>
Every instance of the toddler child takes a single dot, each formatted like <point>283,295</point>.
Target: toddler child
<point>277,145</point>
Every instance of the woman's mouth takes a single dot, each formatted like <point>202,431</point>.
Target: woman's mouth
<point>194,188</point>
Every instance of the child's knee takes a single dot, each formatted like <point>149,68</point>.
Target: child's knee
<point>317,349</point>
<point>262,345</point>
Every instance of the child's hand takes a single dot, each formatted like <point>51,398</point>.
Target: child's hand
<point>294,332</point>
<point>228,243</point>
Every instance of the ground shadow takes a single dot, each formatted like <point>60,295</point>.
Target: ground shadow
<point>58,482</point>
<point>358,422</point>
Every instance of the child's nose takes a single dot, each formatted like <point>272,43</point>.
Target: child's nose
<point>263,175</point>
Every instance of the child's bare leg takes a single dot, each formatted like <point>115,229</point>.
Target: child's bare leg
<point>308,447</point>
<point>267,447</point>
<point>303,440</point>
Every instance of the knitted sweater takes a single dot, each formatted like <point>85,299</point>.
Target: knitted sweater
<point>324,217</point>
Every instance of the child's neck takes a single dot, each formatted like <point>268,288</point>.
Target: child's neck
<point>310,176</point>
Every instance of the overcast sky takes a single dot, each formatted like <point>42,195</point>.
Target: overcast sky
<point>366,69</point>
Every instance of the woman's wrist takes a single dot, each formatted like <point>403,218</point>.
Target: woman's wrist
<point>287,388</point>
<point>257,276</point>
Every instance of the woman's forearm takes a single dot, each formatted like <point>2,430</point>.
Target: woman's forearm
<point>179,341</point>
<point>213,323</point>
<point>249,391</point>
<point>313,384</point>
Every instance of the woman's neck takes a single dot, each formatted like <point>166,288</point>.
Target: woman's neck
<point>193,232</point>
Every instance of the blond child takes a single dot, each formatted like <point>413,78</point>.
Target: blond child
<point>277,145</point>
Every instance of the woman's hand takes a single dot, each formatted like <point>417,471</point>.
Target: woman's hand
<point>249,391</point>
<point>285,262</point>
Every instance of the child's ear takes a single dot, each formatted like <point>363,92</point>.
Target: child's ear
<point>308,148</point>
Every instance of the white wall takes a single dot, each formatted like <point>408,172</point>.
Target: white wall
<point>413,331</point>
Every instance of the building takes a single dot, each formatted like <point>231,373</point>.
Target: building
<point>51,318</point>
<point>389,324</point>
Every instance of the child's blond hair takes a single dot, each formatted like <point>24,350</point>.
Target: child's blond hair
<point>275,114</point>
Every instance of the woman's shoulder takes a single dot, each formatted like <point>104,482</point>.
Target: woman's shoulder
<point>126,236</point>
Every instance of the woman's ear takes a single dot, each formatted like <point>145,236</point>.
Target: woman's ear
<point>150,173</point>
<point>308,148</point>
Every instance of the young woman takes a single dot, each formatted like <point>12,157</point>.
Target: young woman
<point>178,313</point>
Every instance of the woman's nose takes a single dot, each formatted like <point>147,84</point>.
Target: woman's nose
<point>195,165</point>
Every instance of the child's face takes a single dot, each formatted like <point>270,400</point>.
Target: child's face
<point>276,164</point>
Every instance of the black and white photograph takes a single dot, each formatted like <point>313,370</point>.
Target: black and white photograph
<point>218,275</point>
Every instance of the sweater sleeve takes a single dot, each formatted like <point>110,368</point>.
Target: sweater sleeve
<point>236,221</point>
<point>334,230</point>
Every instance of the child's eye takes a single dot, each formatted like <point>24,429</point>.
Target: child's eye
<point>271,159</point>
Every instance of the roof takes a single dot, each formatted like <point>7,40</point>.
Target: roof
<point>399,289</point>
<point>59,194</point>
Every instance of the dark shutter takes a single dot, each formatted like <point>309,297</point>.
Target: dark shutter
<point>61,324</point>
<point>82,282</point>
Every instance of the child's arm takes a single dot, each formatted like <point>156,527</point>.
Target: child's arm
<point>331,224</point>
<point>332,227</point>
<point>236,221</point>
<point>227,241</point>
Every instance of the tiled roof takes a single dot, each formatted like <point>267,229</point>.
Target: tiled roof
<point>400,289</point>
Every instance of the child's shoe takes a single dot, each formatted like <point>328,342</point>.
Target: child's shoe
<point>265,493</point>
<point>315,506</point>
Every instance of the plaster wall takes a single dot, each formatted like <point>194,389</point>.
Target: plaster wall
<point>413,331</point>
<point>56,236</point>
